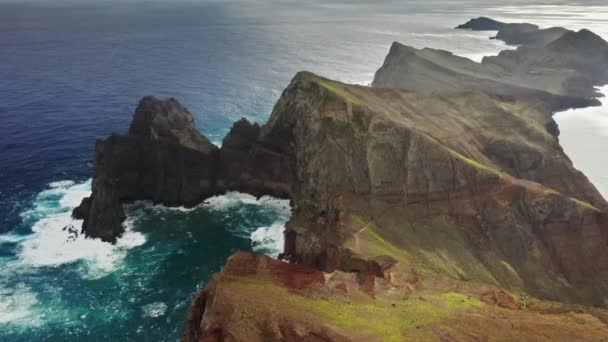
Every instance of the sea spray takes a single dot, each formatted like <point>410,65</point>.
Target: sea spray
<point>56,237</point>
<point>52,278</point>
<point>265,239</point>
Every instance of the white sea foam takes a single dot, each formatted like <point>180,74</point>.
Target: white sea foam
<point>56,238</point>
<point>229,200</point>
<point>16,304</point>
<point>269,240</point>
<point>154,310</point>
<point>61,184</point>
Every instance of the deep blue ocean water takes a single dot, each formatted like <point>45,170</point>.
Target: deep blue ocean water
<point>72,72</point>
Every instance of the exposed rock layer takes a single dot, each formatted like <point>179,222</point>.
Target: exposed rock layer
<point>256,298</point>
<point>164,158</point>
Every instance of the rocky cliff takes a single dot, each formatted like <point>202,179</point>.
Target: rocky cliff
<point>405,205</point>
<point>164,158</point>
<point>434,212</point>
<point>560,69</point>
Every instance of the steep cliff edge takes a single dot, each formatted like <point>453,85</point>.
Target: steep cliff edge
<point>412,215</point>
<point>561,72</point>
<point>162,158</point>
<point>409,168</point>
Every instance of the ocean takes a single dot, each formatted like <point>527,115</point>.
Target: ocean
<point>73,71</point>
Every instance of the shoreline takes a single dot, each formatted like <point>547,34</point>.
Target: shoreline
<point>583,134</point>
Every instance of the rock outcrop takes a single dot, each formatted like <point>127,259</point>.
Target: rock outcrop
<point>523,34</point>
<point>163,158</point>
<point>256,298</point>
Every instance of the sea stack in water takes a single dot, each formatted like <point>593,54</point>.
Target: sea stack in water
<point>162,158</point>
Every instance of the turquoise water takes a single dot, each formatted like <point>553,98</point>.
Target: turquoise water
<point>72,71</point>
<point>55,286</point>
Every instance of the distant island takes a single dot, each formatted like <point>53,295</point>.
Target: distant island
<point>435,205</point>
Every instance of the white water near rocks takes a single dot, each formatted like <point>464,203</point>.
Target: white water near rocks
<point>55,240</point>
<point>266,239</point>
<point>56,237</point>
<point>154,310</point>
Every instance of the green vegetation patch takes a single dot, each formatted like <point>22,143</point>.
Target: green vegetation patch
<point>376,245</point>
<point>338,90</point>
<point>477,164</point>
<point>575,200</point>
<point>435,245</point>
<point>584,204</point>
<point>370,316</point>
<point>455,300</point>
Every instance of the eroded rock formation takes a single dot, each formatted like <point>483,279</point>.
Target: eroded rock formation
<point>163,158</point>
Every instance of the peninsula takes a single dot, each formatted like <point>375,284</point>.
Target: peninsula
<point>435,205</point>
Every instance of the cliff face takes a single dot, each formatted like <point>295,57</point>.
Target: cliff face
<point>162,158</point>
<point>407,167</point>
<point>412,215</point>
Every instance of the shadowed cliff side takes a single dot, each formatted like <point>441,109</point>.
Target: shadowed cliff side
<point>163,158</point>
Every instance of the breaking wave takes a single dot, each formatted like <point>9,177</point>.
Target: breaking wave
<point>55,237</point>
<point>51,275</point>
<point>52,238</point>
<point>266,239</point>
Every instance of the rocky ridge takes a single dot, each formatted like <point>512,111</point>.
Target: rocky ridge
<point>413,212</point>
<point>558,69</point>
